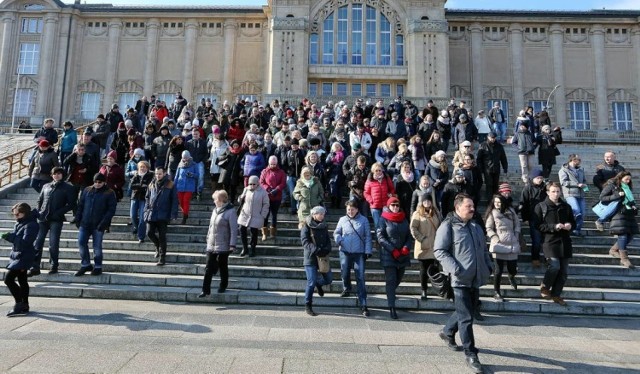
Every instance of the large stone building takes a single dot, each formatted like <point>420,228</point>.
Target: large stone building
<point>75,60</point>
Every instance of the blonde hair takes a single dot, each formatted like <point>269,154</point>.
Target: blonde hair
<point>145,163</point>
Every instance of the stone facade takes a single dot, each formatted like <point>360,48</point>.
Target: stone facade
<point>76,59</point>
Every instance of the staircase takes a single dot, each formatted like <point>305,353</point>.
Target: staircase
<point>597,284</point>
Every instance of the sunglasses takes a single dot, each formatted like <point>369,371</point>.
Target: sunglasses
<point>396,205</point>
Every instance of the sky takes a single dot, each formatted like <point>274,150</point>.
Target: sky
<point>451,4</point>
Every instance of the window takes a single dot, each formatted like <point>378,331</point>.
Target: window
<point>327,89</point>
<point>356,89</point>
<point>400,90</point>
<point>385,90</point>
<point>313,89</point>
<point>168,98</point>
<point>23,105</point>
<point>29,58</point>
<point>371,89</point>
<point>504,105</point>
<point>580,115</point>
<point>537,105</point>
<point>357,34</point>
<point>622,117</point>
<point>31,26</point>
<point>248,98</point>
<point>342,89</point>
<point>127,100</point>
<point>90,105</point>
<point>213,97</point>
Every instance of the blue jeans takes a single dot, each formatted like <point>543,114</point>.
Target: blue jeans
<point>461,319</point>
<point>291,184</point>
<point>137,218</point>
<point>54,229</point>
<point>356,262</point>
<point>83,246</point>
<point>578,206</point>
<point>200,166</point>
<point>314,279</point>
<point>501,130</point>
<point>556,275</point>
<point>376,214</point>
<point>536,240</point>
<point>623,241</point>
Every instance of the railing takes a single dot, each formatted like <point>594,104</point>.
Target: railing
<point>15,166</point>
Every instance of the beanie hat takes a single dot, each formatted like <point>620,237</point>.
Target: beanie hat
<point>458,173</point>
<point>504,187</point>
<point>121,126</point>
<point>407,120</point>
<point>295,141</point>
<point>535,173</point>
<point>138,152</point>
<point>131,132</point>
<point>113,155</point>
<point>289,113</point>
<point>393,200</point>
<point>423,197</point>
<point>88,131</point>
<point>441,153</point>
<point>216,130</point>
<point>99,178</point>
<point>187,126</point>
<point>186,154</point>
<point>492,134</point>
<point>43,144</point>
<point>357,147</point>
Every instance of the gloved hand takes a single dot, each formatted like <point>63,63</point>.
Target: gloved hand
<point>404,251</point>
<point>4,235</point>
<point>395,253</point>
<point>368,256</point>
<point>103,227</point>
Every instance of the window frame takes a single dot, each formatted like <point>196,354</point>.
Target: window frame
<point>583,108</point>
<point>92,98</point>
<point>31,25</point>
<point>537,103</point>
<point>22,107</point>
<point>29,59</point>
<point>622,124</point>
<point>123,100</point>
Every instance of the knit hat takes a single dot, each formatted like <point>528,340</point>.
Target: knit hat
<point>407,120</point>
<point>535,173</point>
<point>128,123</point>
<point>314,141</point>
<point>187,126</point>
<point>164,127</point>
<point>441,153</point>
<point>113,155</point>
<point>289,113</point>
<point>546,128</point>
<point>393,200</point>
<point>216,130</point>
<point>463,117</point>
<point>186,154</point>
<point>504,187</point>
<point>492,134</point>
<point>121,126</point>
<point>466,143</point>
<point>295,141</point>
<point>138,152</point>
<point>88,131</point>
<point>131,132</point>
<point>357,146</point>
<point>458,173</point>
<point>196,122</point>
<point>422,197</point>
<point>99,178</point>
<point>43,144</point>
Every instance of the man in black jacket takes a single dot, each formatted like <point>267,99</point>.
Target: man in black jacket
<point>56,199</point>
<point>293,163</point>
<point>491,156</point>
<point>114,117</point>
<point>533,194</point>
<point>607,170</point>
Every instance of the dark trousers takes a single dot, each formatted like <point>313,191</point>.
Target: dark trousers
<point>556,275</point>
<point>512,269</point>
<point>492,180</point>
<point>424,277</point>
<point>254,237</point>
<point>159,240</point>
<point>546,170</point>
<point>274,206</point>
<point>392,278</point>
<point>53,229</point>
<point>20,290</point>
<point>461,319</point>
<point>215,262</point>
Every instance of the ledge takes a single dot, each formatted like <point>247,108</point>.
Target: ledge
<point>361,72</point>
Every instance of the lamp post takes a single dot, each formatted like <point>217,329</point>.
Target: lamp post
<point>551,94</point>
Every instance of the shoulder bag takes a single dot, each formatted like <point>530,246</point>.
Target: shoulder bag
<point>324,263</point>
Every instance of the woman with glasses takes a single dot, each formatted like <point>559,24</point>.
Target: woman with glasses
<point>458,157</point>
<point>377,190</point>
<point>22,255</point>
<point>254,208</point>
<point>395,240</point>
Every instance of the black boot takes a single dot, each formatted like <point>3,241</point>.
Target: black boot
<point>424,295</point>
<point>252,251</point>
<point>161,261</point>
<point>157,253</point>
<point>513,283</point>
<point>184,219</point>
<point>244,252</point>
<point>17,310</point>
<point>309,310</point>
<point>393,313</point>
<point>320,291</point>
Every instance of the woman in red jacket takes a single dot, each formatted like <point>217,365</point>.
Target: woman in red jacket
<point>274,181</point>
<point>236,131</point>
<point>114,174</point>
<point>377,190</point>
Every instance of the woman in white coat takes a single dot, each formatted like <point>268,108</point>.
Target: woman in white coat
<point>217,146</point>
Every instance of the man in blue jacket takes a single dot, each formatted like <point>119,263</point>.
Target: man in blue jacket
<point>96,208</point>
<point>161,206</point>
<point>461,248</point>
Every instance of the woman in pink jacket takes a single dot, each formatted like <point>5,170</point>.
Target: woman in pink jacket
<point>377,190</point>
<point>274,181</point>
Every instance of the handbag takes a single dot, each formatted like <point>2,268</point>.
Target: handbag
<point>605,212</point>
<point>441,282</point>
<point>324,263</point>
<point>500,248</point>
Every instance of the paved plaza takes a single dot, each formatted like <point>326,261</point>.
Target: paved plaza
<point>90,336</point>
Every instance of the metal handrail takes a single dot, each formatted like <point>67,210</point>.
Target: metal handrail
<point>18,164</point>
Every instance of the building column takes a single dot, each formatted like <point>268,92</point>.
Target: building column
<point>427,51</point>
<point>59,77</point>
<point>190,35</point>
<point>230,27</point>
<point>602,103</point>
<point>45,73</point>
<point>151,56</point>
<point>5,55</point>
<point>115,26</point>
<point>476,66</point>
<point>289,71</point>
<point>517,67</point>
<point>557,45</point>
<point>636,49</point>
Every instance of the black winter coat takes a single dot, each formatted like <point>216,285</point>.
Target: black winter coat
<point>555,243</point>
<point>531,196</point>
<point>624,221</point>
<point>24,234</point>
<point>491,157</point>
<point>548,149</point>
<point>139,185</point>
<point>96,208</point>
<point>316,241</point>
<point>404,190</point>
<point>56,199</point>
<point>230,170</point>
<point>394,235</point>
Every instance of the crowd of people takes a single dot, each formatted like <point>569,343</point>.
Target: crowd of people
<point>389,162</point>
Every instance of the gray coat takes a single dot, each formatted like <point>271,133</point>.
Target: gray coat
<point>353,235</point>
<point>504,228</point>
<point>462,250</point>
<point>223,229</point>
<point>569,180</point>
<point>255,208</point>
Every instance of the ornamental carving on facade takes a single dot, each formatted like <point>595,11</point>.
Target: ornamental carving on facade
<point>416,26</point>
<point>381,5</point>
<point>290,24</point>
<point>618,38</point>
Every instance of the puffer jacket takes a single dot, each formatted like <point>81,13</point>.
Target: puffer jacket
<point>115,178</point>
<point>68,141</point>
<point>393,235</point>
<point>316,241</point>
<point>462,250</point>
<point>255,207</point>
<point>96,208</point>
<point>186,177</point>
<point>423,230</point>
<point>555,243</point>
<point>274,181</point>
<point>223,229</point>
<point>308,197</point>
<point>161,201</point>
<point>42,164</point>
<point>353,235</point>
<point>23,237</point>
<point>569,180</point>
<point>624,220</point>
<point>252,164</point>
<point>504,228</point>
<point>55,200</point>
<point>377,192</point>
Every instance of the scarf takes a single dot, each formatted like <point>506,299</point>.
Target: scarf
<point>307,182</point>
<point>628,195</point>
<point>393,217</point>
<point>235,151</point>
<point>407,176</point>
<point>338,158</point>
<point>379,179</point>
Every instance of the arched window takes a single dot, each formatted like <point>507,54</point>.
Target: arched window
<point>356,34</point>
